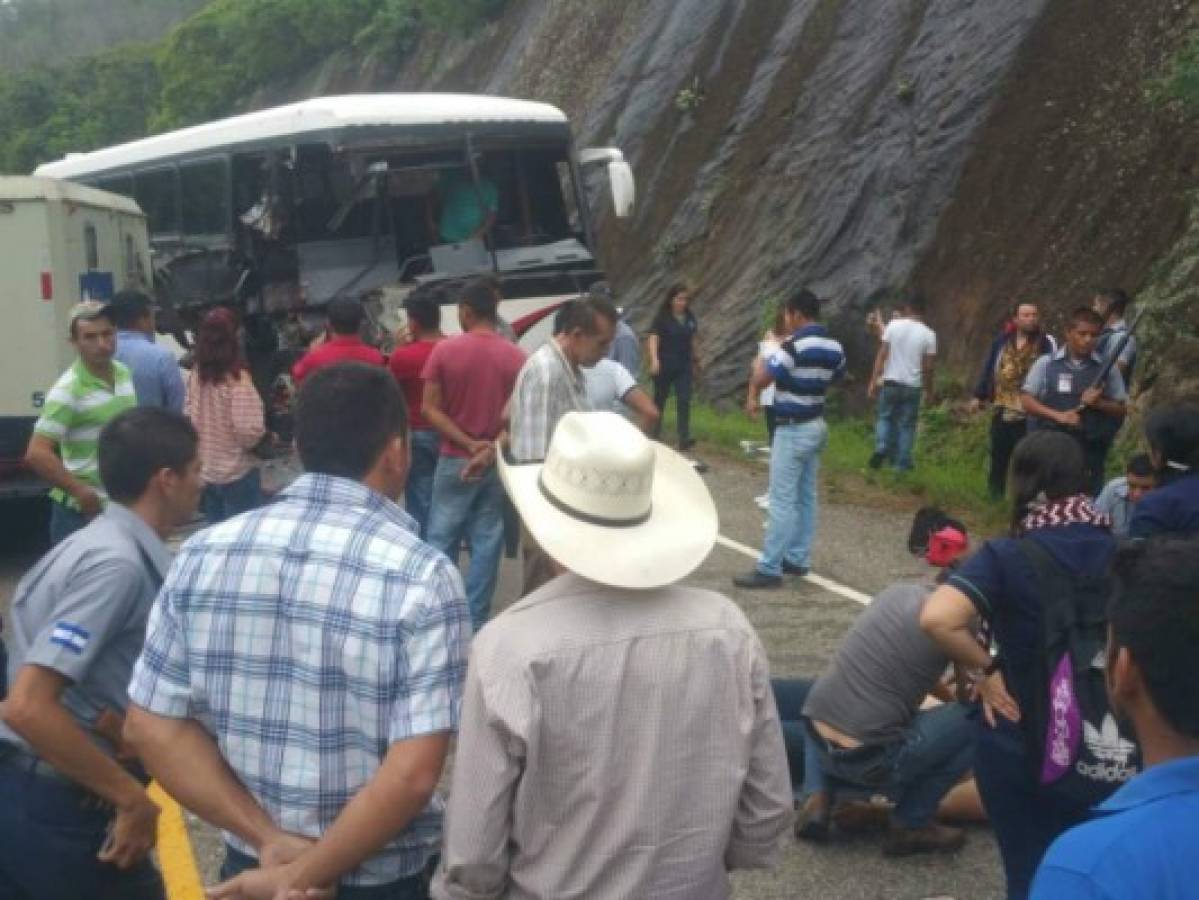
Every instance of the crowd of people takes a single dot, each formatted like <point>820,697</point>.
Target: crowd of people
<point>295,674</point>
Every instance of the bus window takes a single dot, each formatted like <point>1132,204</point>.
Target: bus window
<point>91,246</point>
<point>119,184</point>
<point>157,193</point>
<point>204,197</point>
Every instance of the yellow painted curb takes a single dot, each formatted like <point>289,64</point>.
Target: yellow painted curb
<point>175,856</point>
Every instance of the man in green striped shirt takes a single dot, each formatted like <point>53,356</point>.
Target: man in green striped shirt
<point>64,446</point>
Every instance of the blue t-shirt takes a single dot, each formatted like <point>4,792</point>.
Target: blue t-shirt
<point>1001,582</point>
<point>1141,844</point>
<point>1172,508</point>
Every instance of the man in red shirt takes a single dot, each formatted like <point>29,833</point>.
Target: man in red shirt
<point>468,381</point>
<point>406,364</point>
<point>344,344</point>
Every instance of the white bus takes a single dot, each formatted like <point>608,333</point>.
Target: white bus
<point>375,196</point>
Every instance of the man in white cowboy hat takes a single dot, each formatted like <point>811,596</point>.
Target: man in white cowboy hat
<point>618,735</point>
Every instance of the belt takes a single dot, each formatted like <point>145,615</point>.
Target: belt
<point>794,420</point>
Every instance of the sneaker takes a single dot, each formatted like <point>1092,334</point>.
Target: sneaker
<point>812,820</point>
<point>790,569</point>
<point>763,501</point>
<point>877,459</point>
<point>931,838</point>
<point>756,580</point>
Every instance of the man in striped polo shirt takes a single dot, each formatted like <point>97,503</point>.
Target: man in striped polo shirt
<point>801,371</point>
<point>64,446</point>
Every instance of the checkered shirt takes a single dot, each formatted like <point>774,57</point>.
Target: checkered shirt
<point>307,637</point>
<point>547,388</point>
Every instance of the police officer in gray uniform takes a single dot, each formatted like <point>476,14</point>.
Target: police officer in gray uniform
<point>1061,393</point>
<point>75,820</point>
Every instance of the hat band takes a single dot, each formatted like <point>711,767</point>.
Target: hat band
<point>588,518</point>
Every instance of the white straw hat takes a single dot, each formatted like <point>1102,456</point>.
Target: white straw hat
<point>613,506</point>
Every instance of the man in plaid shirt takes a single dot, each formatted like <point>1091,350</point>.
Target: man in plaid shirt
<point>304,662</point>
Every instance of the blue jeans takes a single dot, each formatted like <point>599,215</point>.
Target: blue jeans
<point>414,887</point>
<point>50,833</point>
<point>895,429</point>
<point>794,467</point>
<point>471,510</point>
<point>224,501</point>
<point>418,494</point>
<point>1025,819</point>
<point>936,750</point>
<point>790,694</point>
<point>64,521</point>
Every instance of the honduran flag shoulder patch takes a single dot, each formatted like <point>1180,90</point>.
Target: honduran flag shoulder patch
<point>70,636</point>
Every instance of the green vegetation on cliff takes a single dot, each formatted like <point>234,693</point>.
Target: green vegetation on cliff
<point>202,68</point>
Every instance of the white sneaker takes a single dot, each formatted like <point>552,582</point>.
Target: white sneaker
<point>763,501</point>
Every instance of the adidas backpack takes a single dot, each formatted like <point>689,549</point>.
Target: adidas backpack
<point>1079,750</point>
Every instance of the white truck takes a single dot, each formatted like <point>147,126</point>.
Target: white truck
<point>60,243</point>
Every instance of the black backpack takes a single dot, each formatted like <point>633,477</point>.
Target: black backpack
<point>1079,749</point>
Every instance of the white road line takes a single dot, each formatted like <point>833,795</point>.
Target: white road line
<point>819,580</point>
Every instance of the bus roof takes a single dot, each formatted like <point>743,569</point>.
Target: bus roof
<point>24,188</point>
<point>308,117</point>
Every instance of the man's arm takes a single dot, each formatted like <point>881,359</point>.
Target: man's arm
<point>764,811</point>
<point>1110,398</point>
<point>880,361</point>
<point>436,416</point>
<point>477,844</point>
<point>185,760</point>
<point>34,710</point>
<point>1034,407</point>
<point>42,457</point>
<point>640,403</point>
<point>172,382</point>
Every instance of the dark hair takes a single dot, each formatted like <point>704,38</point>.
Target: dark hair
<point>805,303</point>
<point>560,317</point>
<point>917,303</point>
<point>601,289</point>
<point>1141,466</point>
<point>345,416</point>
<point>138,444</point>
<point>128,308</point>
<point>664,312</point>
<point>1081,315</point>
<point>585,313</point>
<point>217,355</point>
<point>1154,614</point>
<point>1173,435</point>
<point>424,311</point>
<point>106,315</point>
<point>1048,463</point>
<point>1115,300</point>
<point>479,296</point>
<point>1016,306</point>
<point>345,315</point>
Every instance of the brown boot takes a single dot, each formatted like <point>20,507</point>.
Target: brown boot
<point>811,824</point>
<point>930,838</point>
<point>862,817</point>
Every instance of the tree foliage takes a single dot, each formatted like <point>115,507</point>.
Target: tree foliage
<point>202,68</point>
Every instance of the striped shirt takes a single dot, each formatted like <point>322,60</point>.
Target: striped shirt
<point>229,420</point>
<point>78,406</point>
<point>803,368</point>
<point>307,637</point>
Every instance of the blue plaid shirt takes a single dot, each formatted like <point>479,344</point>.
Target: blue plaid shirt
<point>307,637</point>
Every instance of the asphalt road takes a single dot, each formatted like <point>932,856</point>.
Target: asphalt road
<point>861,548</point>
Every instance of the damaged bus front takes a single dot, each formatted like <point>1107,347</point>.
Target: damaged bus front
<point>376,196</point>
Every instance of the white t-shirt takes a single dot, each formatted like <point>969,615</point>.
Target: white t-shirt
<point>908,342</point>
<point>607,383</point>
<point>766,349</point>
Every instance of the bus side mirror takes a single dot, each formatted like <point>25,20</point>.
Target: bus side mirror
<point>620,177</point>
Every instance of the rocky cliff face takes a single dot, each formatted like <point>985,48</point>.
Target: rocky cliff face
<point>855,146</point>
